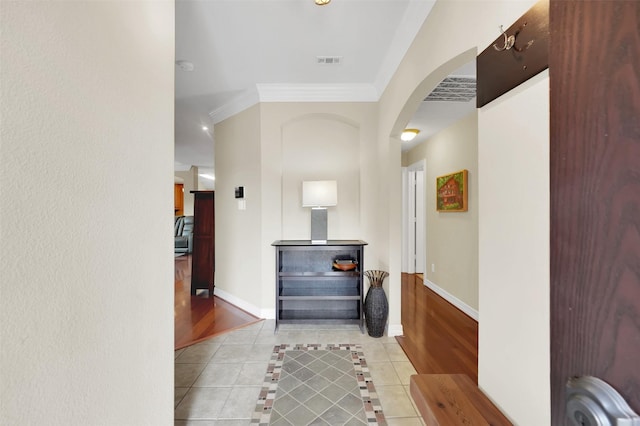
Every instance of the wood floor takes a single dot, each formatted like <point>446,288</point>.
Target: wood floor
<point>438,337</point>
<point>199,317</point>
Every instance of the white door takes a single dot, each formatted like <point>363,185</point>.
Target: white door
<point>414,230</point>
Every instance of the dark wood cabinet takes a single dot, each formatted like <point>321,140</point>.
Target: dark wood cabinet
<point>310,290</point>
<point>203,257</point>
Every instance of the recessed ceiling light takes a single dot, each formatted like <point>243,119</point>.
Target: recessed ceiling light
<point>205,128</point>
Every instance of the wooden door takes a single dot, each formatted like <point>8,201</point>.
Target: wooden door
<point>594,69</point>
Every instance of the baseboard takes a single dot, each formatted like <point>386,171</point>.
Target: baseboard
<point>468,310</point>
<point>244,305</point>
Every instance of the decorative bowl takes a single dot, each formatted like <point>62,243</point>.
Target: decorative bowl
<point>345,266</point>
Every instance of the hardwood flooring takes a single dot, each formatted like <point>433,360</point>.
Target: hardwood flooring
<point>200,317</point>
<point>438,337</point>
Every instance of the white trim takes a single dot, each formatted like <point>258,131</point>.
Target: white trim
<point>405,221</point>
<point>395,330</point>
<point>246,99</point>
<point>453,300</point>
<point>245,306</point>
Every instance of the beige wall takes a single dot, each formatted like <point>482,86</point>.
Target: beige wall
<point>86,304</point>
<point>190,181</point>
<point>452,238</point>
<point>238,162</point>
<point>453,34</point>
<point>296,142</point>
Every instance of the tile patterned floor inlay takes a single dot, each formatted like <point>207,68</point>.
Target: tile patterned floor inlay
<point>318,384</point>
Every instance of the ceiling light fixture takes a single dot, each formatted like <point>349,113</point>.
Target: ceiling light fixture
<point>409,134</point>
<point>205,128</point>
<point>322,2</point>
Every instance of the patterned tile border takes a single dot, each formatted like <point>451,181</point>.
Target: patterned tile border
<point>370,400</point>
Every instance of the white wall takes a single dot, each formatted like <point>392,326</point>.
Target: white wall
<point>87,172</point>
<point>514,251</point>
<point>452,237</point>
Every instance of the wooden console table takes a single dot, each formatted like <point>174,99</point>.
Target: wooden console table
<point>308,290</point>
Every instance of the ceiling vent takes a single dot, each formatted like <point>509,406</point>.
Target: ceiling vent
<point>329,60</point>
<point>454,89</point>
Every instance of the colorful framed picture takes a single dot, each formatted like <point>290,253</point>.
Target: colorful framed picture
<point>452,193</point>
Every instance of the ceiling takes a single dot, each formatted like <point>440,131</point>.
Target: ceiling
<point>246,51</point>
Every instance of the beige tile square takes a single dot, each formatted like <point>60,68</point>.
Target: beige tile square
<point>195,423</point>
<point>242,336</point>
<point>395,352</point>
<point>268,337</point>
<point>252,373</point>
<point>198,353</point>
<point>232,353</point>
<point>383,373</point>
<point>261,352</point>
<point>405,370</point>
<point>395,401</point>
<point>185,374</point>
<point>375,352</point>
<point>241,403</point>
<point>405,421</point>
<point>218,374</point>
<point>202,403</point>
<point>178,394</point>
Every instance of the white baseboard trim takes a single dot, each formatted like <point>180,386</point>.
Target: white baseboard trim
<point>394,330</point>
<point>453,300</point>
<point>244,305</point>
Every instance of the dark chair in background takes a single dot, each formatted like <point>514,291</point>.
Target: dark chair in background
<point>183,233</point>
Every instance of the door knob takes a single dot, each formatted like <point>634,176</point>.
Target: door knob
<point>593,402</point>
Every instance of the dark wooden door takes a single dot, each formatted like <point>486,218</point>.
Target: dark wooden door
<point>594,69</point>
<point>203,257</point>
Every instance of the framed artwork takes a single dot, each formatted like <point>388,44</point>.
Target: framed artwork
<point>451,192</point>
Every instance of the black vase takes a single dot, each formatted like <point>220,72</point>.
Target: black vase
<point>376,306</point>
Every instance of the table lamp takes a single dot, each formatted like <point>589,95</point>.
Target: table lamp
<point>319,195</point>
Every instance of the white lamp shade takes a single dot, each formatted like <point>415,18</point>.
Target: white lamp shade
<point>319,193</point>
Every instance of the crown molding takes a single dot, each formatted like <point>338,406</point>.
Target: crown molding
<point>246,99</point>
<point>295,93</point>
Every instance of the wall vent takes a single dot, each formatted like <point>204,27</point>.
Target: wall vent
<point>329,60</point>
<point>454,89</point>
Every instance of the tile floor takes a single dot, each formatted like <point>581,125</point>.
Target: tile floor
<point>217,381</point>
